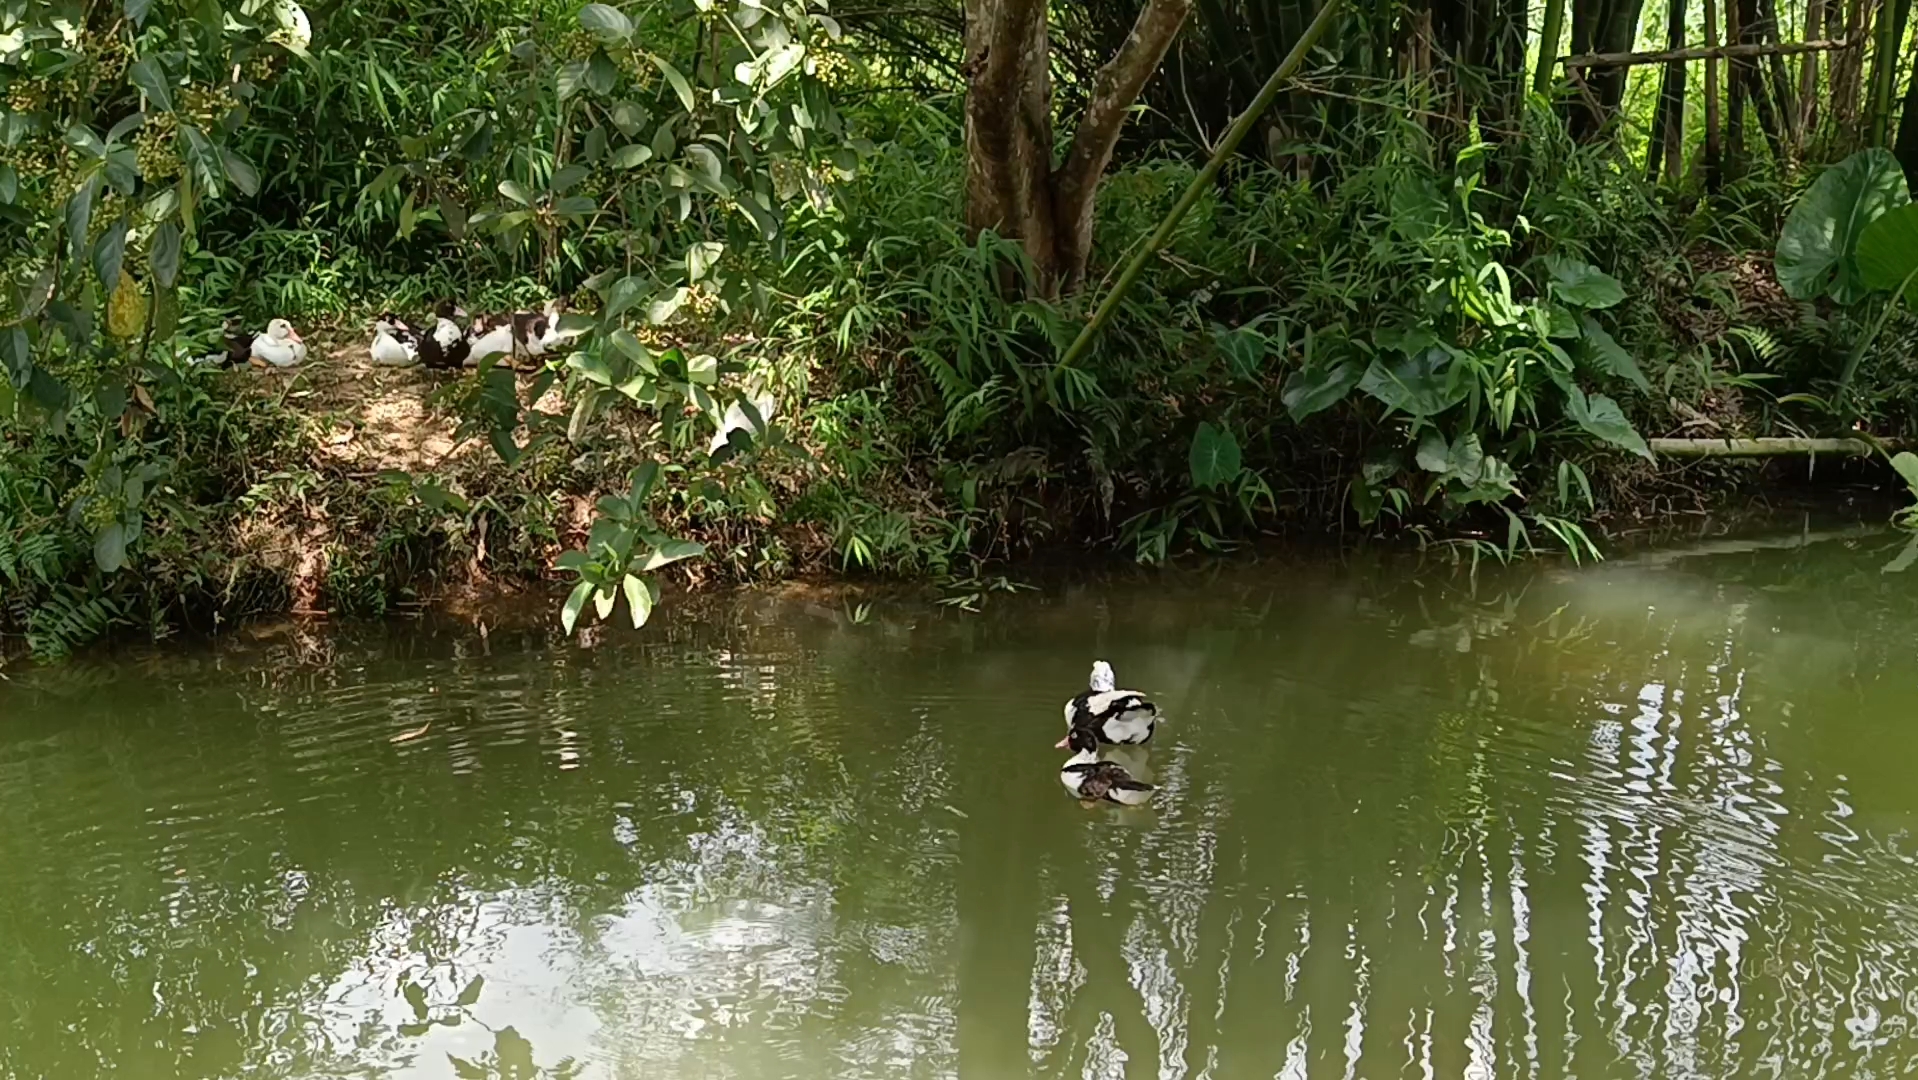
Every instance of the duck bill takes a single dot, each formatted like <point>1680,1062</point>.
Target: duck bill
<point>295,335</point>
<point>1062,743</point>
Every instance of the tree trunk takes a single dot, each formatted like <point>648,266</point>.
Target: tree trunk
<point>1884,73</point>
<point>1011,187</point>
<point>1907,146</point>
<point>1667,147</point>
<point>1808,75</point>
<point>1600,26</point>
<point>1711,150</point>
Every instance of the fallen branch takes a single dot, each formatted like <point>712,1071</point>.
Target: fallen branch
<point>1704,52</point>
<point>1760,448</point>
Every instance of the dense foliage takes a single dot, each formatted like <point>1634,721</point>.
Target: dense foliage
<point>1428,296</point>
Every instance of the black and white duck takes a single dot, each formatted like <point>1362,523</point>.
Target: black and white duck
<point>517,334</point>
<point>1093,780</point>
<point>446,345</point>
<point>395,342</point>
<point>1111,715</point>
<point>238,347</point>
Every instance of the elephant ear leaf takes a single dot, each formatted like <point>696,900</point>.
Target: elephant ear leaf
<point>1818,249</point>
<point>1888,253</point>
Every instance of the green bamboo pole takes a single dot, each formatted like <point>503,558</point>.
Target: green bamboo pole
<point>1548,46</point>
<point>1234,135</point>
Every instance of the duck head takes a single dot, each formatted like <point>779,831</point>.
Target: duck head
<point>1101,680</point>
<point>1080,740</point>
<point>447,309</point>
<point>281,330</point>
<point>387,323</point>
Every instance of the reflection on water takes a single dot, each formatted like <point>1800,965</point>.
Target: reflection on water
<point>1645,819</point>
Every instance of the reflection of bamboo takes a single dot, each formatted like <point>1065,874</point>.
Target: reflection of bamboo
<point>1740,546</point>
<point>1759,448</point>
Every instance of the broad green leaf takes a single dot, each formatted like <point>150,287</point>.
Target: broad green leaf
<point>150,78</point>
<point>596,367</point>
<point>1601,417</point>
<point>1906,463</point>
<point>703,370</point>
<point>1214,456</point>
<point>1312,390</point>
<point>241,172</point>
<point>1818,249</point>
<point>1888,253</point>
<point>1607,355</point>
<point>1583,285</point>
<point>677,81</point>
<point>80,214</point>
<point>566,177</point>
<point>126,308</point>
<point>629,117</point>
<point>1904,559</point>
<point>630,156</point>
<point>17,353</point>
<point>514,191</point>
<point>624,294</point>
<point>609,23</point>
<point>415,995</point>
<point>136,11</point>
<point>166,314</point>
<point>109,251</point>
<point>572,76</point>
<point>1419,385</point>
<point>9,184</point>
<point>701,257</point>
<point>164,254</point>
<point>575,603</point>
<point>1243,348</point>
<point>601,75</point>
<point>665,306</point>
<point>668,552</point>
<point>110,548</point>
<point>1559,322</point>
<point>603,601</point>
<point>639,599</point>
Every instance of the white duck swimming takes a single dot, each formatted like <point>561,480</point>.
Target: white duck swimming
<point>1111,715</point>
<point>1093,780</point>
<point>280,346</point>
<point>736,420</point>
<point>395,344</point>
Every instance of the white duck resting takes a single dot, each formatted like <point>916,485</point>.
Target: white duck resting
<point>736,420</point>
<point>522,333</point>
<point>280,346</point>
<point>1093,780</point>
<point>395,344</point>
<point>1112,716</point>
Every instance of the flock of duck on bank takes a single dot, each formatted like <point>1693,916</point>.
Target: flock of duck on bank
<point>1104,716</point>
<point>451,341</point>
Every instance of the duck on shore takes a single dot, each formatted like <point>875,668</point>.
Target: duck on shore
<point>280,346</point>
<point>395,343</point>
<point>446,345</point>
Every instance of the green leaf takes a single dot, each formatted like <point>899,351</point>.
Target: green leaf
<point>1583,285</point>
<point>9,184</point>
<point>1419,385</point>
<point>678,82</point>
<point>1605,353</point>
<point>629,117</point>
<point>1906,463</point>
<point>608,23</point>
<point>1818,249</point>
<point>639,599</point>
<point>575,603</point>
<point>630,156</point>
<point>624,294</point>
<point>1243,348</point>
<point>150,78</point>
<point>137,11</point>
<point>1214,456</point>
<point>603,602</point>
<point>18,354</point>
<point>241,172</point>
<point>703,370</point>
<point>572,76</point>
<point>80,214</point>
<point>108,253</point>
<point>1601,417</point>
<point>665,306</point>
<point>701,257</point>
<point>415,995</point>
<point>567,176</point>
<point>512,190</point>
<point>668,552</point>
<point>1904,559</point>
<point>1888,253</point>
<point>1312,390</point>
<point>110,548</point>
<point>601,75</point>
<point>164,254</point>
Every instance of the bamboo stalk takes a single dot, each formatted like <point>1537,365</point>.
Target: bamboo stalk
<point>1548,45</point>
<point>1711,96</point>
<point>1759,448</point>
<point>1708,53</point>
<point>1229,143</point>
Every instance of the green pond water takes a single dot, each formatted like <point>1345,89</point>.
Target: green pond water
<point>1653,817</point>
